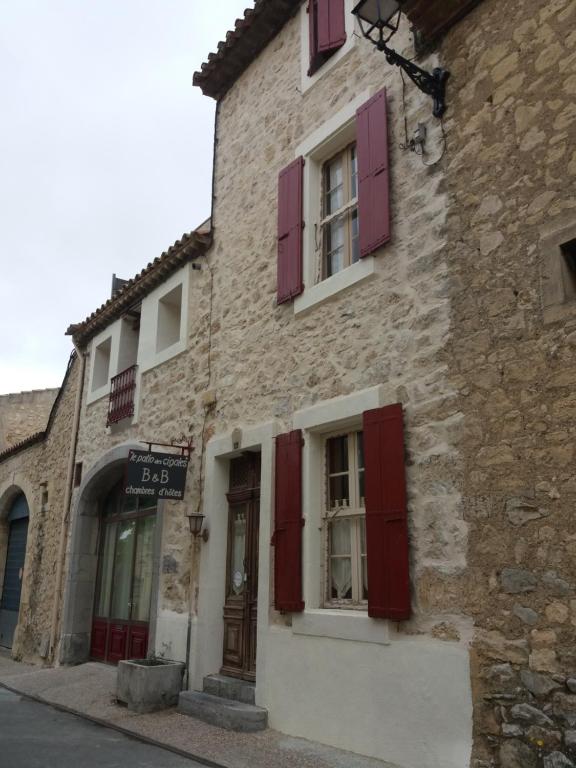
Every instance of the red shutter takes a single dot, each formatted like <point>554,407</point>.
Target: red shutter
<point>373,173</point>
<point>331,25</point>
<point>312,11</point>
<point>287,537</point>
<point>290,226</point>
<point>386,518</point>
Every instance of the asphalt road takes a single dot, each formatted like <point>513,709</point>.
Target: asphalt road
<point>34,735</point>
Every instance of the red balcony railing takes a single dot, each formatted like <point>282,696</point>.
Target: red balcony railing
<point>121,403</point>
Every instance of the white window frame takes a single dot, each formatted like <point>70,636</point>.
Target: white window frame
<point>352,34</point>
<point>355,512</point>
<point>112,333</point>
<point>340,414</point>
<point>321,145</point>
<point>148,355</point>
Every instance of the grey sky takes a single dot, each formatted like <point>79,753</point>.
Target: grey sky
<point>105,160</point>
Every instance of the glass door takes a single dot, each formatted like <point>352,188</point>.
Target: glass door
<point>124,584</point>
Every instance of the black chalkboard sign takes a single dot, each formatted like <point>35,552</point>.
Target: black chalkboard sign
<point>156,475</point>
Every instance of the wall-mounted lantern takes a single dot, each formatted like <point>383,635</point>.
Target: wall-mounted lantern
<point>379,21</point>
<point>195,521</point>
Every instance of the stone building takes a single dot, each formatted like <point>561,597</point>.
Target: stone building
<point>463,314</point>
<point>371,350</point>
<point>35,477</point>
<point>23,414</point>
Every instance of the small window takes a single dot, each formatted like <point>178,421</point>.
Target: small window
<point>169,319</point>
<point>344,522</point>
<point>101,370</point>
<point>327,31</point>
<point>339,225</point>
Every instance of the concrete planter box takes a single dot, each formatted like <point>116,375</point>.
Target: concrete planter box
<point>146,685</point>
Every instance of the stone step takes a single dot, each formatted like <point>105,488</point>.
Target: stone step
<point>229,688</point>
<point>225,713</point>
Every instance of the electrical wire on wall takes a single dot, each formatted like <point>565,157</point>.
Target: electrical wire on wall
<point>207,386</point>
<point>417,146</point>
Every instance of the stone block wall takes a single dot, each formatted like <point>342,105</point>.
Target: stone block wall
<point>39,471</point>
<point>22,414</point>
<point>393,330</point>
<point>511,176</point>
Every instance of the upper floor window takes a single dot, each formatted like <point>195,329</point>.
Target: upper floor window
<point>101,364</point>
<point>327,31</point>
<point>340,244</point>
<point>169,319</point>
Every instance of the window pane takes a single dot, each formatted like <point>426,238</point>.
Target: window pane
<point>128,504</point>
<point>354,236</point>
<point>340,543</point>
<point>341,578</point>
<point>338,454</point>
<point>339,491</point>
<point>334,198</point>
<point>360,449</point>
<point>123,570</point>
<point>354,166</point>
<point>362,524</point>
<point>105,576</point>
<point>143,569</point>
<point>236,585</point>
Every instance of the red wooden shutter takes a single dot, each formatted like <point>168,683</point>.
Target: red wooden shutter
<point>331,32</point>
<point>290,227</point>
<point>386,517</point>
<point>373,173</point>
<point>287,537</point>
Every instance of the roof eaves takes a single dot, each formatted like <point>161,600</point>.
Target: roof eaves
<point>183,250</point>
<point>243,44</point>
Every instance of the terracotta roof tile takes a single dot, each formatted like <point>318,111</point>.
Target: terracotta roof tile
<point>243,44</point>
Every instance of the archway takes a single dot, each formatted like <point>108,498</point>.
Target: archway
<point>11,591</point>
<point>100,579</point>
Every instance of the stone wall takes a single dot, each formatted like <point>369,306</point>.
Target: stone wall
<point>170,406</point>
<point>268,362</point>
<point>511,174</point>
<point>39,471</point>
<point>22,414</point>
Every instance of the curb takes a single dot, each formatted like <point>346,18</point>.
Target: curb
<point>112,726</point>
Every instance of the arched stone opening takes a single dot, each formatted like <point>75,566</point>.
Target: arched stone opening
<point>85,546</point>
<point>14,518</point>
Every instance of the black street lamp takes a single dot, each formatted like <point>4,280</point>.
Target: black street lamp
<point>382,18</point>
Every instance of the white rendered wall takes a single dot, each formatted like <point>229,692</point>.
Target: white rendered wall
<point>337,677</point>
<point>408,703</point>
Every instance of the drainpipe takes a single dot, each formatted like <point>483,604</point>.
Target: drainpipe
<point>66,505</point>
<point>194,550</point>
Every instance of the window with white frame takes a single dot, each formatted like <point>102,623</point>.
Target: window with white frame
<point>339,224</point>
<point>101,364</point>
<point>344,527</point>
<point>169,319</point>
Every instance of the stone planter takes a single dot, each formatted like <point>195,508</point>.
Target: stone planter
<point>146,685</point>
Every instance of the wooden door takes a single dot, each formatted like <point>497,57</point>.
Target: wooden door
<point>240,608</point>
<point>122,608</point>
<point>14,569</point>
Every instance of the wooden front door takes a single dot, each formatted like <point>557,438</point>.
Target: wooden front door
<point>240,608</point>
<point>124,589</point>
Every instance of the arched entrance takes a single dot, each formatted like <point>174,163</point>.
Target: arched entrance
<point>124,577</point>
<point>13,570</point>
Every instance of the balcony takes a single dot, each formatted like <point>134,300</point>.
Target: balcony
<point>122,389</point>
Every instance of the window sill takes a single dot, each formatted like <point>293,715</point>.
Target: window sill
<point>341,625</point>
<point>327,289</point>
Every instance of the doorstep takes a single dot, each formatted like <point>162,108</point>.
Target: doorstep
<point>89,691</point>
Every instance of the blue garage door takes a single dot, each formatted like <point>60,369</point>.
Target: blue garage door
<point>15,556</point>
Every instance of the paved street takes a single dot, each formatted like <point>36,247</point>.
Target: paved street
<point>34,735</point>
